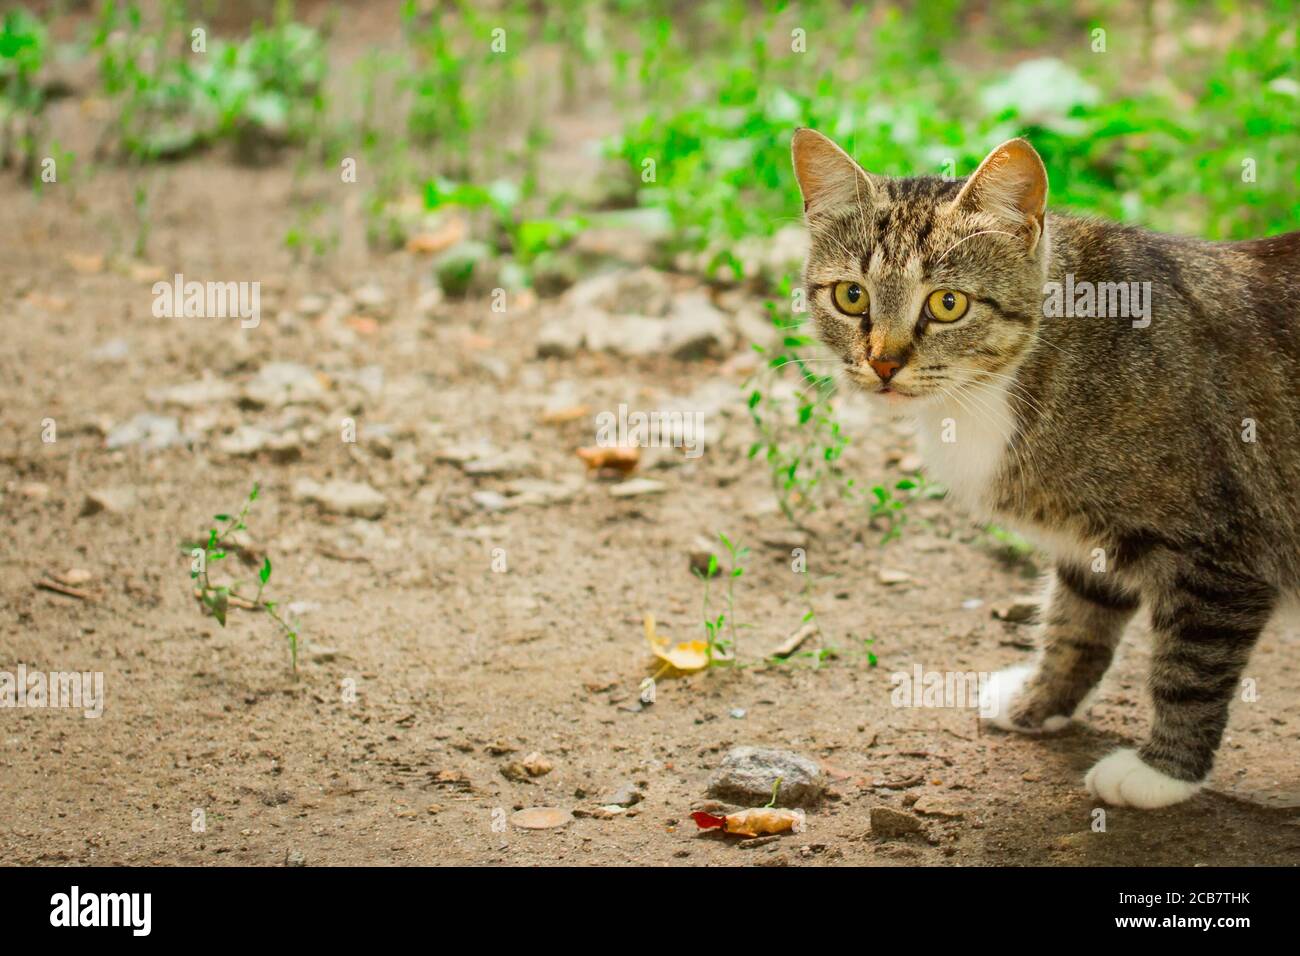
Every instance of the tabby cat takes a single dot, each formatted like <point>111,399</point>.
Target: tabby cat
<point>1127,400</point>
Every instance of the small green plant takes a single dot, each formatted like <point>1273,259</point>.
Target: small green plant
<point>887,509</point>
<point>800,440</point>
<point>22,99</point>
<point>217,598</point>
<point>721,629</point>
<point>867,644</point>
<point>820,656</point>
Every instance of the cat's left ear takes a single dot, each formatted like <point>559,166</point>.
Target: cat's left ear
<point>1010,184</point>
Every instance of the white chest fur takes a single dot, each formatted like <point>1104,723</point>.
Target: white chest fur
<point>963,443</point>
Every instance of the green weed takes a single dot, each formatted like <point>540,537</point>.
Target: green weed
<point>721,629</point>
<point>217,598</point>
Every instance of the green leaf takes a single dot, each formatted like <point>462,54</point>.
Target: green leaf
<point>220,604</point>
<point>265,573</point>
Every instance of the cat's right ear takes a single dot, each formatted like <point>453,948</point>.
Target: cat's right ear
<point>828,176</point>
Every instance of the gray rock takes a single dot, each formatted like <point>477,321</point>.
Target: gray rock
<point>147,430</point>
<point>248,440</point>
<point>936,807</point>
<point>647,290</point>
<point>202,393</point>
<point>369,379</point>
<point>371,298</point>
<point>534,491</point>
<point>499,465</point>
<point>284,383</point>
<point>696,329</point>
<point>114,350</point>
<point>625,795</point>
<point>890,824</point>
<point>631,336</point>
<point>748,774</point>
<point>342,498</point>
<point>428,301</point>
<point>312,305</point>
<point>490,500</point>
<point>636,487</point>
<point>460,454</point>
<point>560,338</point>
<point>113,500</point>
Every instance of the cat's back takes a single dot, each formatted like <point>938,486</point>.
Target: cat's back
<point>1099,250</point>
<point>1235,300</point>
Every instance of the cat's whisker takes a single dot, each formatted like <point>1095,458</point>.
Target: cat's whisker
<point>805,361</point>
<point>1013,382</point>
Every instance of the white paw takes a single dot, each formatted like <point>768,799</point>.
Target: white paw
<point>998,698</point>
<point>1123,780</point>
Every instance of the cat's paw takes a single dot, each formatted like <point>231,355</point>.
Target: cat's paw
<point>1123,780</point>
<point>1000,697</point>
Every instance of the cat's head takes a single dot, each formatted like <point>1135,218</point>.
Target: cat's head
<point>924,286</point>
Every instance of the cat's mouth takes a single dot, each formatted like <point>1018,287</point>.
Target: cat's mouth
<point>889,391</point>
<point>892,393</point>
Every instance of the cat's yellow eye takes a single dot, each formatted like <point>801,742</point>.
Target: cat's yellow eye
<point>851,298</point>
<point>947,305</point>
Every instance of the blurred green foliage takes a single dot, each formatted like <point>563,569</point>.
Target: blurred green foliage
<point>1172,146</point>
<point>171,98</point>
<point>23,48</point>
<point>1180,117</point>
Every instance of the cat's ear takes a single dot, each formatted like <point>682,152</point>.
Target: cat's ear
<point>828,176</point>
<point>1010,184</point>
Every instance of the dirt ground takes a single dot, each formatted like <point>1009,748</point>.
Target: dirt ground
<point>459,669</point>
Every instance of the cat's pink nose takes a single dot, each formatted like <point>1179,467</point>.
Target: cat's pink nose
<point>884,367</point>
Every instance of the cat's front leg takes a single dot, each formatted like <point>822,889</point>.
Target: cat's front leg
<point>1205,623</point>
<point>1082,622</point>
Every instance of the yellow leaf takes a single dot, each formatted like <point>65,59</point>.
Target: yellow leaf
<point>684,656</point>
<point>760,820</point>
